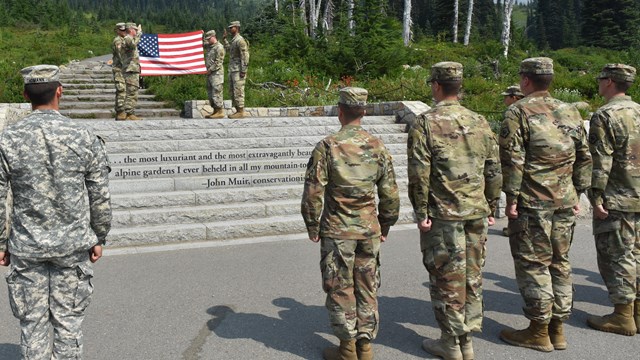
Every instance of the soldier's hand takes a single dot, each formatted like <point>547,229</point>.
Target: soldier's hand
<point>491,220</point>
<point>140,28</point>
<point>511,211</point>
<point>5,258</point>
<point>315,239</point>
<point>600,212</point>
<point>425,225</point>
<point>95,253</point>
<point>224,33</point>
<point>576,209</point>
<point>383,238</point>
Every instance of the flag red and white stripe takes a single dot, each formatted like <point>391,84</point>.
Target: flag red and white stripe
<point>171,54</point>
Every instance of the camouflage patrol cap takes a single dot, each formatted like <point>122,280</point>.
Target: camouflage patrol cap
<point>39,74</point>
<point>537,66</point>
<point>513,90</point>
<point>234,23</point>
<point>618,72</point>
<point>353,96</point>
<point>121,26</point>
<point>209,34</point>
<point>446,71</point>
<point>131,25</point>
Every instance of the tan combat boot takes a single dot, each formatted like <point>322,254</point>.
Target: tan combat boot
<point>121,116</point>
<point>346,351</point>
<point>636,317</point>
<point>217,114</point>
<point>133,117</point>
<point>448,347</point>
<point>556,335</point>
<point>239,114</point>
<point>466,346</point>
<point>621,321</point>
<point>535,337</point>
<point>364,349</point>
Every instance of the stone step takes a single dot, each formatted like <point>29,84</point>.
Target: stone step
<point>110,98</point>
<point>203,156</point>
<point>143,104</point>
<point>217,231</point>
<point>101,91</point>
<point>109,113</point>
<point>123,184</point>
<point>158,146</point>
<point>86,79</point>
<point>84,72</point>
<point>91,85</point>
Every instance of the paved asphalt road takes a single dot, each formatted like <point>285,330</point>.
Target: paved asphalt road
<point>263,300</point>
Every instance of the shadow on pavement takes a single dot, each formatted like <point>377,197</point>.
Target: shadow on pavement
<point>9,351</point>
<point>397,311</point>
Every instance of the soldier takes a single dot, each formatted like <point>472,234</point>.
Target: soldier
<point>454,187</point>
<point>546,165</point>
<point>512,94</point>
<point>344,170</point>
<point>51,165</point>
<point>116,67</point>
<point>215,74</point>
<point>131,65</point>
<point>614,140</point>
<point>238,51</point>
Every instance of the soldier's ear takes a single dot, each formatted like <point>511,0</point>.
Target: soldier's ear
<point>25,96</point>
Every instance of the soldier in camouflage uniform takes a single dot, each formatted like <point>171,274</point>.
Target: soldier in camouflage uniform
<point>51,165</point>
<point>215,74</point>
<point>614,141</point>
<point>118,76</point>
<point>343,173</point>
<point>238,51</point>
<point>546,165</point>
<point>454,187</point>
<point>512,94</point>
<point>131,65</point>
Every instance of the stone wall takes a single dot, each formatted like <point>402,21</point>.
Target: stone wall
<point>10,113</point>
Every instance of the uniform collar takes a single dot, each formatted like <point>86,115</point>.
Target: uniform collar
<point>619,98</point>
<point>447,103</point>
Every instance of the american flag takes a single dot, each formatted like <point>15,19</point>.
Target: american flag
<point>171,54</point>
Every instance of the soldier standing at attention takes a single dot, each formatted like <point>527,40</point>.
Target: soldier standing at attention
<point>238,51</point>
<point>215,74</point>
<point>116,67</point>
<point>546,165</point>
<point>344,172</point>
<point>51,164</point>
<point>454,187</point>
<point>131,66</point>
<point>614,141</point>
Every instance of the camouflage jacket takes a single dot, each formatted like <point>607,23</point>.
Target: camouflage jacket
<point>544,153</point>
<point>48,161</point>
<point>238,51</point>
<point>116,50</point>
<point>453,164</point>
<point>215,59</point>
<point>344,170</point>
<point>129,53</point>
<point>614,141</point>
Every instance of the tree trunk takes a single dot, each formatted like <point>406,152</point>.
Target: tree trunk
<point>312,20</point>
<point>352,22</point>
<point>506,26</point>
<point>276,5</point>
<point>455,21</point>
<point>407,22</point>
<point>467,31</point>
<point>303,11</point>
<point>327,18</point>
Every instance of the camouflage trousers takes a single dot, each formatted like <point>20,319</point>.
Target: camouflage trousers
<point>132,82</point>
<point>236,89</point>
<point>540,241</point>
<point>121,91</point>
<point>618,247</point>
<point>453,253</point>
<point>350,277</point>
<point>214,90</point>
<point>50,293</point>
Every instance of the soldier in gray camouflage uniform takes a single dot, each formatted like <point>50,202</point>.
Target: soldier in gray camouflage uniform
<point>215,74</point>
<point>454,187</point>
<point>339,209</point>
<point>238,51</point>
<point>546,164</point>
<point>614,141</point>
<point>51,165</point>
<point>131,67</point>
<point>118,74</point>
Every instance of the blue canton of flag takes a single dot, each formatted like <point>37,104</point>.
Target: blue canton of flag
<point>148,46</point>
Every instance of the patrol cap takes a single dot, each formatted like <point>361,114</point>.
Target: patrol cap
<point>209,34</point>
<point>618,72</point>
<point>513,90</point>
<point>537,66</point>
<point>446,71</point>
<point>121,26</point>
<point>131,25</point>
<point>234,23</point>
<point>353,96</point>
<point>40,74</point>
